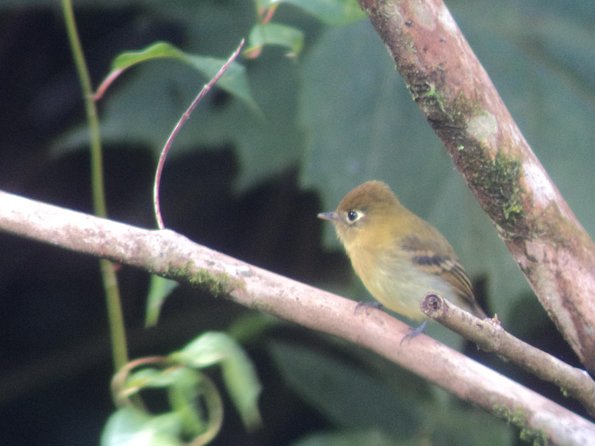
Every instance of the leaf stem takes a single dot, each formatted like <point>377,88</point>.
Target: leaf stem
<point>109,278</point>
<point>174,133</point>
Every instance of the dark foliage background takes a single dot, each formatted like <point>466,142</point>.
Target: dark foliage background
<point>251,187</point>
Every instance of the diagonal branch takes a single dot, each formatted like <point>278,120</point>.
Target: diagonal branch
<point>171,255</point>
<point>463,107</point>
<point>489,336</point>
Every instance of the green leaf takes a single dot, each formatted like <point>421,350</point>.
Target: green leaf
<point>142,112</point>
<point>157,50</point>
<point>154,377</point>
<point>250,327</point>
<point>239,375</point>
<point>451,423</point>
<point>347,396</point>
<point>275,34</point>
<point>234,81</point>
<point>159,289</point>
<point>363,406</point>
<point>132,427</point>
<point>197,403</point>
<point>331,12</point>
<point>349,438</point>
<point>167,426</point>
<point>196,406</point>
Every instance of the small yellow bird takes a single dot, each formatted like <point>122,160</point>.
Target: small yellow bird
<point>398,256</point>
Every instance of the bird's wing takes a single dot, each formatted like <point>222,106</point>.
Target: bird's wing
<point>439,259</point>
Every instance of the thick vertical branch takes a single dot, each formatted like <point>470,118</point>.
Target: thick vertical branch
<point>463,107</point>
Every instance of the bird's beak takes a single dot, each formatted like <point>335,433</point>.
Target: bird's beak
<point>330,216</point>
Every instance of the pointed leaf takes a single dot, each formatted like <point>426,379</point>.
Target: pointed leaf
<point>157,50</point>
<point>275,34</point>
<point>159,289</point>
<point>234,81</point>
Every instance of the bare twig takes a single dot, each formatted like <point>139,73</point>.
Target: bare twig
<point>170,140</point>
<point>171,255</point>
<point>489,335</point>
<point>462,105</point>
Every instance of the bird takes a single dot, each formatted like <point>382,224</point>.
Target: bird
<point>398,256</point>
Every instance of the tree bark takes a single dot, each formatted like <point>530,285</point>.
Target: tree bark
<point>463,107</point>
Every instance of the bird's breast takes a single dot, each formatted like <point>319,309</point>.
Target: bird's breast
<point>394,281</point>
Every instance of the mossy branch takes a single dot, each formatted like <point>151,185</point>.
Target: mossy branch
<point>463,107</point>
<point>174,256</point>
<point>489,336</point>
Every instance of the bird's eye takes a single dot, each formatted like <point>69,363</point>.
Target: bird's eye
<point>353,215</point>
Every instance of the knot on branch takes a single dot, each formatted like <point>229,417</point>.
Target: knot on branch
<point>434,306</point>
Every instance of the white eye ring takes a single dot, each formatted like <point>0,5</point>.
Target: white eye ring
<point>353,215</point>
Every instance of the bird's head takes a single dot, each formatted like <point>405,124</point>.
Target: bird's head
<point>365,213</point>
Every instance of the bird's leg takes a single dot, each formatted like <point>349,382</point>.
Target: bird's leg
<point>414,331</point>
<point>364,305</point>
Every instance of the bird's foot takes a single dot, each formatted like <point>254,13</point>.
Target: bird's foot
<point>413,332</point>
<point>361,306</point>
